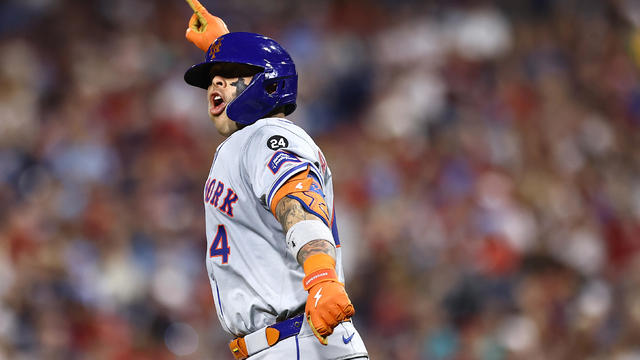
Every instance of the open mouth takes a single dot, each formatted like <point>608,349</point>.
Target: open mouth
<point>217,104</point>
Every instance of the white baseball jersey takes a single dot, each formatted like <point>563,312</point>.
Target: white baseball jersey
<point>254,279</point>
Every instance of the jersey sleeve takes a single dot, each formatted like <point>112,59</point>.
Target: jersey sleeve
<point>272,156</point>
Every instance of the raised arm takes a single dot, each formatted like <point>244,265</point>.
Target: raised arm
<point>204,28</point>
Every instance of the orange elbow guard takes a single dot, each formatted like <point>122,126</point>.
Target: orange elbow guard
<point>307,191</point>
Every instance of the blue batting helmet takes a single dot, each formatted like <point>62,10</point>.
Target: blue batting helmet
<point>274,87</point>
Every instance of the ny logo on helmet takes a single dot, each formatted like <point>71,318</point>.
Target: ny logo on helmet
<point>213,49</point>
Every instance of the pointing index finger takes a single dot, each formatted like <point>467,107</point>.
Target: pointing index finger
<point>197,7</point>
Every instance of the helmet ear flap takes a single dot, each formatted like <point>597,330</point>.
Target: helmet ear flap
<point>287,92</point>
<point>251,103</point>
<point>257,101</point>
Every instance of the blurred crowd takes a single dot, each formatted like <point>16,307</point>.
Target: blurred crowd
<point>486,161</point>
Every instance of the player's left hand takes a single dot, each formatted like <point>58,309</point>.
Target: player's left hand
<point>204,28</point>
<point>327,305</point>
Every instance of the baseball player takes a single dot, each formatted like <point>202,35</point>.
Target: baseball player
<point>273,252</point>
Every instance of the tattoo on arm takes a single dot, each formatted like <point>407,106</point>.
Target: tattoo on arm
<point>289,212</point>
<point>240,85</point>
<point>316,247</point>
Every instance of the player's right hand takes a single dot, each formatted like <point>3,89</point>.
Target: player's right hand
<point>327,306</point>
<point>204,28</point>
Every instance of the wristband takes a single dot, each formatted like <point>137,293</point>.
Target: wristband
<point>304,232</point>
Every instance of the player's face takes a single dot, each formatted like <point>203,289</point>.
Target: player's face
<point>227,82</point>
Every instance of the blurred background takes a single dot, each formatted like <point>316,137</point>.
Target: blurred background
<point>486,160</point>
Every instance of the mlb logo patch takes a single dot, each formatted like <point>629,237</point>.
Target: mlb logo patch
<point>279,158</point>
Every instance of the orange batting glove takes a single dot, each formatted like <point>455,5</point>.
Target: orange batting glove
<point>204,28</point>
<point>327,303</point>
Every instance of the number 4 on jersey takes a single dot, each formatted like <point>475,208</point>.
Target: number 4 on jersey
<point>220,246</point>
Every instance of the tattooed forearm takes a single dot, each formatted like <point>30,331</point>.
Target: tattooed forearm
<point>289,212</point>
<point>316,247</point>
<point>240,85</point>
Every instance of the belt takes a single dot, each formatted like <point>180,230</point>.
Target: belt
<point>245,346</point>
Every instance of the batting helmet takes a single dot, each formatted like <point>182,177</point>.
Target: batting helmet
<point>274,87</point>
